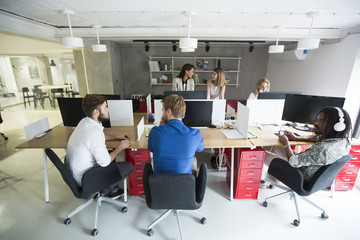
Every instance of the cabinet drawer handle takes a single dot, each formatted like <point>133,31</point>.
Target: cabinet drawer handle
<point>248,188</point>
<point>351,165</point>
<point>349,172</point>
<point>249,180</point>
<point>346,179</point>
<point>251,173</point>
<point>247,195</point>
<point>251,165</point>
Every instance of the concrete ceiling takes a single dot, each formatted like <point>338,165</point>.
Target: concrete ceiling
<point>237,20</point>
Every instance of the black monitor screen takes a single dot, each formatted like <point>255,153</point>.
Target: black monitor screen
<point>72,112</point>
<point>275,95</point>
<point>198,113</point>
<point>304,108</point>
<point>111,97</point>
<point>188,94</point>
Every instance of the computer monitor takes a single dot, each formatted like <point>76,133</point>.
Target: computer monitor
<point>188,94</point>
<point>72,112</point>
<point>304,108</point>
<point>198,113</point>
<point>111,96</point>
<point>275,95</point>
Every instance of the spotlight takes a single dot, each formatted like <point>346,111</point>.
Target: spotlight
<point>251,48</point>
<point>174,47</point>
<point>147,47</point>
<point>207,47</point>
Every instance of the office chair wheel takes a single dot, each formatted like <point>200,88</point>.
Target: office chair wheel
<point>296,222</point>
<point>150,232</point>
<point>271,186</point>
<point>203,220</point>
<point>94,232</point>
<point>67,221</point>
<point>324,215</point>
<point>124,210</point>
<point>265,203</point>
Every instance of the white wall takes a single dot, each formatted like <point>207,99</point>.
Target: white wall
<point>326,71</point>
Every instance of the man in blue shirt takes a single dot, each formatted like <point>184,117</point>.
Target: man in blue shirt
<point>172,143</point>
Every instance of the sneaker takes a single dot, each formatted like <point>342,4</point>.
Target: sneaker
<point>116,192</point>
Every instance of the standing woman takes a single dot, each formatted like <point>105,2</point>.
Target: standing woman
<point>262,85</point>
<point>184,81</point>
<point>216,86</point>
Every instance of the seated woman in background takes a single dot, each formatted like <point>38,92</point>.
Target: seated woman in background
<point>263,85</point>
<point>216,86</point>
<point>184,81</point>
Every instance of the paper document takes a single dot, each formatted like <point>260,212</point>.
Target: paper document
<point>232,134</point>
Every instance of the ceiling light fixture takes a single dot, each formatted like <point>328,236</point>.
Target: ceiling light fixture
<point>188,44</point>
<point>174,47</point>
<point>52,63</point>
<point>71,42</point>
<point>309,43</point>
<point>207,46</point>
<point>277,48</point>
<point>98,47</point>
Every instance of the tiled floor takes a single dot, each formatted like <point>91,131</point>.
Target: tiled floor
<point>25,215</point>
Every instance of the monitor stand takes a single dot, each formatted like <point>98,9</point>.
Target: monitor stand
<point>303,127</point>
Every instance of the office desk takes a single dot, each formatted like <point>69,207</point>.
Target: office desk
<point>213,138</point>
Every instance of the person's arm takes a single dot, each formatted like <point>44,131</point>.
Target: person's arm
<point>123,145</point>
<point>174,85</point>
<point>305,138</point>
<point>285,141</point>
<point>208,89</point>
<point>222,92</point>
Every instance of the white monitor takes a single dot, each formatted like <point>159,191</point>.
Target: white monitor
<point>242,120</point>
<point>121,112</point>
<point>158,110</point>
<point>265,111</point>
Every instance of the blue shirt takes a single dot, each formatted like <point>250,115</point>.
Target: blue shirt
<point>173,146</point>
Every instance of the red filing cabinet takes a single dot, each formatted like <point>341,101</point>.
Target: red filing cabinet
<point>346,178</point>
<point>138,159</point>
<point>248,166</point>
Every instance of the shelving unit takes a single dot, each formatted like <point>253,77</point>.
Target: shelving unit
<point>231,66</point>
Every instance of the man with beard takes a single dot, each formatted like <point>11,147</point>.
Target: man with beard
<point>173,144</point>
<point>86,146</point>
<point>332,130</point>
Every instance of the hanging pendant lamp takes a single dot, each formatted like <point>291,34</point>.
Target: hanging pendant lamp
<point>71,42</point>
<point>188,44</point>
<point>98,47</point>
<point>309,43</point>
<point>276,48</point>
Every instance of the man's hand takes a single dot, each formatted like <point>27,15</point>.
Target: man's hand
<point>283,139</point>
<point>125,137</point>
<point>290,135</point>
<point>124,144</point>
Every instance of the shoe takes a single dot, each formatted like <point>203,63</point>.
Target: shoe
<point>116,192</point>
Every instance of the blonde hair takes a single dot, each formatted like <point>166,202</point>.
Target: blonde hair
<point>220,81</point>
<point>259,82</point>
<point>177,105</point>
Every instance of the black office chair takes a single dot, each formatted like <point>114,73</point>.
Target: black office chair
<point>26,95</point>
<point>40,96</point>
<point>93,182</point>
<point>294,180</point>
<point>56,93</point>
<point>174,192</point>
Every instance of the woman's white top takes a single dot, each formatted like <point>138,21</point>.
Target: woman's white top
<point>252,96</point>
<point>214,91</point>
<point>178,85</point>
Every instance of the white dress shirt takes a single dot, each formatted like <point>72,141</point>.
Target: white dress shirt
<point>86,148</point>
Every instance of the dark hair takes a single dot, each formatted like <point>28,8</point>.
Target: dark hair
<point>331,116</point>
<point>91,102</point>
<point>177,105</point>
<point>186,67</point>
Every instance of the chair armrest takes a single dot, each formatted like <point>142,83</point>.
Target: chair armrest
<point>148,170</point>
<point>283,171</point>
<point>99,178</point>
<point>201,183</point>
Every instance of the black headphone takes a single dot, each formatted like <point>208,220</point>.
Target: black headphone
<point>340,125</point>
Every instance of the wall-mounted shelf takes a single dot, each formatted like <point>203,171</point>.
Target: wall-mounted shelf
<point>203,68</point>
